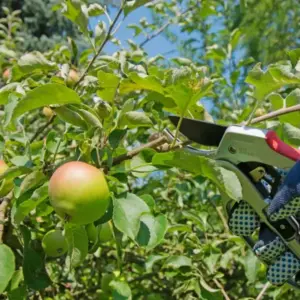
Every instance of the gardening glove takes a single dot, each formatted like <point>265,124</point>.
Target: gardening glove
<point>283,265</point>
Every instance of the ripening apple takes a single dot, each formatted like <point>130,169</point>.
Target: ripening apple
<point>260,112</point>
<point>54,243</point>
<point>6,74</point>
<point>73,77</point>
<point>6,185</point>
<point>48,112</point>
<point>79,192</point>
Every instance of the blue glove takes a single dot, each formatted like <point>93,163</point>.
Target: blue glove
<point>283,265</point>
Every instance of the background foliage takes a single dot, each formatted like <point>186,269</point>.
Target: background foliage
<point>174,242</point>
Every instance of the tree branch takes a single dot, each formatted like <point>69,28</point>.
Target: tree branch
<point>106,39</point>
<point>163,27</point>
<point>261,294</point>
<point>41,129</point>
<point>130,154</point>
<point>4,202</point>
<point>220,286</point>
<point>276,113</point>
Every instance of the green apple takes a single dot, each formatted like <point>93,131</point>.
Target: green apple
<point>92,232</point>
<point>105,233</point>
<point>79,192</point>
<point>54,243</point>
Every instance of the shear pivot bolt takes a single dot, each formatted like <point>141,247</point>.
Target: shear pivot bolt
<point>282,226</point>
<point>232,150</point>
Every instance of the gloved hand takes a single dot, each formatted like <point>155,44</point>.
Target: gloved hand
<point>283,265</point>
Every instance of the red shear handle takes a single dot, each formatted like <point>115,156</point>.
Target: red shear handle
<point>280,147</point>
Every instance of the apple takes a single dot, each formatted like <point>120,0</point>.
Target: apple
<point>105,234</point>
<point>73,77</point>
<point>54,243</point>
<point>91,231</point>
<point>6,74</point>
<point>260,112</point>
<point>48,112</point>
<point>79,192</point>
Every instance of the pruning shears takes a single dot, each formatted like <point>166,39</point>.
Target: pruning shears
<point>260,160</point>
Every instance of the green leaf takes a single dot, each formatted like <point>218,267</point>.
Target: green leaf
<point>38,196</point>
<point>292,99</point>
<point>95,10</point>
<point>20,160</point>
<point>13,101</point>
<point>7,266</point>
<point>35,274</point>
<point>252,266</point>
<point>128,210</point>
<point>182,61</point>
<point>78,245</point>
<point>33,61</point>
<point>48,94</point>
<point>19,293</point>
<point>294,56</point>
<point>149,200</point>
<point>14,172</point>
<point>186,96</point>
<point>4,51</point>
<point>90,118</point>
<point>108,83</point>
<point>291,134</point>
<point>151,260</point>
<point>177,261</point>
<point>224,179</point>
<point>136,82</point>
<point>195,218</point>
<point>141,165</point>
<point>31,181</point>
<point>69,116</point>
<point>77,13</point>
<point>6,90</point>
<point>137,29</point>
<point>53,143</point>
<point>134,119</point>
<point>120,290</point>
<point>275,77</point>
<point>157,227</point>
<point>132,5</point>
<point>116,137</point>
<point>16,279</point>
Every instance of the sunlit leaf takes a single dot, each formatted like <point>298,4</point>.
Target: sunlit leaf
<point>224,179</point>
<point>7,266</point>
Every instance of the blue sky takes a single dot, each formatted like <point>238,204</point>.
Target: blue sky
<point>158,45</point>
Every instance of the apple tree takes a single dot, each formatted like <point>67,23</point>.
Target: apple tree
<point>96,202</point>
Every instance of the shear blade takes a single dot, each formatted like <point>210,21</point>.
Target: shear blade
<point>200,132</point>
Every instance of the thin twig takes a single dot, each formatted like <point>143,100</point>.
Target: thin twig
<point>41,129</point>
<point>262,292</point>
<point>163,27</point>
<point>222,217</point>
<point>220,286</point>
<point>4,202</point>
<point>130,154</point>
<point>107,37</point>
<point>276,113</point>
